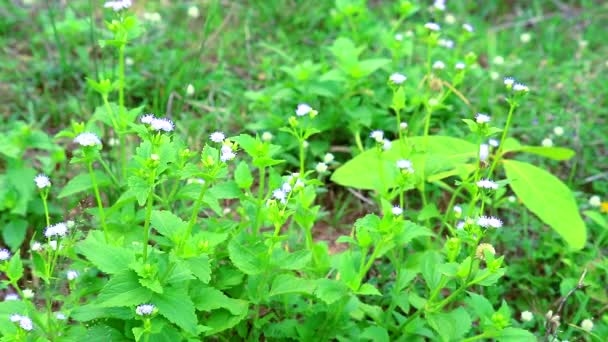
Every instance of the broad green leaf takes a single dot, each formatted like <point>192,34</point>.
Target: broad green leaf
<point>124,289</point>
<point>242,176</point>
<point>208,299</point>
<point>175,305</point>
<point>167,224</point>
<point>199,266</point>
<point>555,153</point>
<point>549,199</point>
<point>480,305</point>
<point>431,273</point>
<point>329,290</point>
<point>83,182</point>
<point>14,270</point>
<point>292,261</point>
<point>596,217</point>
<point>13,232</point>
<point>138,188</point>
<point>375,333</point>
<point>288,283</point>
<point>368,290</point>
<point>249,259</point>
<point>515,335</point>
<point>451,326</point>
<point>107,258</point>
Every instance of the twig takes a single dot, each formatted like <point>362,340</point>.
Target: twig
<point>360,196</point>
<point>553,318</point>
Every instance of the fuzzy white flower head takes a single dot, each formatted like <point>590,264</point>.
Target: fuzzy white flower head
<point>493,142</point>
<point>387,144</point>
<point>193,12</point>
<point>446,43</point>
<point>525,37</point>
<point>328,158</point>
<point>468,27</point>
<point>432,26</point>
<point>377,135</point>
<point>526,316</point>
<point>547,142</point>
<point>153,17</point>
<point>494,75</point>
<point>267,136</point>
<point>87,139</point>
<point>487,184</point>
<point>42,181</point>
<point>405,165</point>
<point>438,65</point>
<point>59,229</point>
<point>397,78</point>
<point>147,118</point>
<point>227,155</point>
<point>154,157</point>
<point>403,125</point>
<point>118,5</point>
<point>28,294</point>
<point>439,5</point>
<point>280,195</point>
<point>321,167</point>
<point>512,199</point>
<point>11,296</point>
<point>144,309</point>
<point>460,225</point>
<point>397,211</point>
<point>53,245</point>
<point>499,60</point>
<point>303,109</point>
<point>481,118</point>
<point>594,201</point>
<point>587,324</point>
<point>4,254</point>
<point>286,187</point>
<point>36,246</point>
<point>558,130</point>
<point>520,87</point>
<point>398,37</point>
<point>460,66</point>
<point>190,90</point>
<point>457,209</point>
<point>162,124</point>
<point>14,318</point>
<point>508,81</point>
<point>484,152</point>
<point>489,221</point>
<point>449,19</point>
<point>60,316</point>
<point>72,274</point>
<point>217,137</point>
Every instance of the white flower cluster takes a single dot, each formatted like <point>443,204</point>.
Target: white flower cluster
<point>145,309</point>
<point>397,211</point>
<point>303,109</point>
<point>42,181</point>
<point>432,26</point>
<point>227,153</point>
<point>489,221</point>
<point>217,137</point>
<point>24,322</point>
<point>397,78</point>
<point>4,254</point>
<point>405,165</point>
<point>487,184</point>
<point>72,274</point>
<point>118,5</point>
<point>158,124</point>
<point>87,139</point>
<point>59,229</point>
<point>481,118</point>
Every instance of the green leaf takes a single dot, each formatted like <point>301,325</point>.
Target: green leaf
<point>107,258</point>
<point>596,217</point>
<point>199,266</point>
<point>376,334</point>
<point>368,290</point>
<point>124,289</point>
<point>480,305</point>
<point>329,290</point>
<point>82,183</point>
<point>176,306</point>
<point>138,188</point>
<point>14,270</point>
<point>431,273</point>
<point>13,232</point>
<point>168,224</point>
<point>515,335</point>
<point>248,259</point>
<point>451,326</point>
<point>208,299</point>
<point>555,153</point>
<point>242,176</point>
<point>549,199</point>
<point>292,261</point>
<point>288,283</point>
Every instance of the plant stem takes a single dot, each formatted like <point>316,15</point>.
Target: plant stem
<point>502,139</point>
<point>301,141</point>
<point>44,194</point>
<point>477,337</point>
<point>195,211</point>
<point>121,103</point>
<point>102,215</point>
<point>149,206</point>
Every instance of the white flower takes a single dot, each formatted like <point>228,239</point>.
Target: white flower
<point>594,201</point>
<point>403,125</point>
<point>36,246</point>
<point>299,184</point>
<point>432,26</point>
<point>481,118</point>
<point>526,316</point>
<point>53,245</point>
<point>321,167</point>
<point>26,323</point>
<point>494,75</point>
<point>193,12</point>
<point>286,187</point>
<point>439,65</point>
<point>405,165</point>
<point>449,19</point>
<point>60,316</point>
<point>558,130</point>
<point>468,27</point>
<point>71,275</point>
<point>458,210</point>
<point>547,142</point>
<point>190,90</point>
<point>217,137</point>
<point>491,221</point>
<point>28,294</point>
<point>520,87</point>
<point>328,158</point>
<point>280,195</point>
<point>398,78</point>
<point>525,37</point>
<point>460,66</point>
<point>118,5</point>
<point>153,17</point>
<point>162,124</point>
<point>303,109</point>
<point>15,318</point>
<point>267,136</point>
<point>398,37</point>
<point>42,181</point>
<point>493,142</point>
<point>484,152</point>
<point>377,135</point>
<point>129,61</point>
<point>144,309</point>
<point>511,199</point>
<point>305,144</point>
<point>587,324</point>
<point>439,4</point>
<point>446,43</point>
<point>11,296</point>
<point>227,156</point>
<point>387,144</point>
<point>154,157</point>
<point>59,229</point>
<point>147,118</point>
<point>87,139</point>
<point>397,211</point>
<point>508,81</point>
<point>487,184</point>
<point>4,254</point>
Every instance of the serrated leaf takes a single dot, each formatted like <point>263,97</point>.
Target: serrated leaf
<point>13,232</point>
<point>14,269</point>
<point>107,258</point>
<point>450,326</point>
<point>176,306</point>
<point>549,199</point>
<point>515,335</point>
<point>249,259</point>
<point>242,176</point>
<point>167,224</point>
<point>139,188</point>
<point>83,182</point>
<point>199,266</point>
<point>124,289</point>
<point>329,290</point>
<point>288,284</point>
<point>208,299</point>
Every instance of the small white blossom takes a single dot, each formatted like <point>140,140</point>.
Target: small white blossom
<point>227,156</point>
<point>60,316</point>
<point>446,43</point>
<point>520,87</point>
<point>59,229</point>
<point>511,199</point>
<point>144,309</point>
<point>484,152</point>
<point>193,12</point>
<point>487,184</point>
<point>377,135</point>
<point>525,37</point>
<point>286,187</point>
<point>439,5</point>
<point>321,167</point>
<point>4,254</point>
<point>558,130</point>
<point>190,90</point>
<point>458,210</point>
<point>468,27</point>
<point>449,19</point>
<point>587,324</point>
<point>403,125</point>
<point>508,81</point>
<point>36,246</point>
<point>493,142</point>
<point>526,316</point>
<point>53,245</point>
<point>499,60</point>
<point>489,221</point>
<point>594,201</point>
<point>11,296</point>
<point>217,137</point>
<point>87,139</point>
<point>299,184</point>
<point>162,124</point>
<point>118,5</point>
<point>14,318</point>
<point>405,165</point>
<point>129,61</point>
<point>71,275</point>
<point>547,142</point>
<point>460,225</point>
<point>432,26</point>
<point>460,66</point>
<point>305,144</point>
<point>397,78</point>
<point>303,109</point>
<point>387,144</point>
<point>439,65</point>
<point>42,181</point>
<point>397,211</point>
<point>26,323</point>
<point>481,118</point>
<point>267,136</point>
<point>28,294</point>
<point>147,118</point>
<point>153,17</point>
<point>280,195</point>
<point>328,158</point>
<point>398,37</point>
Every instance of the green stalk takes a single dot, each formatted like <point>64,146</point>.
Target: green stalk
<point>477,337</point>
<point>301,156</point>
<point>121,103</point>
<point>102,215</point>
<point>44,194</point>
<point>149,206</point>
<point>195,211</point>
<point>502,138</point>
